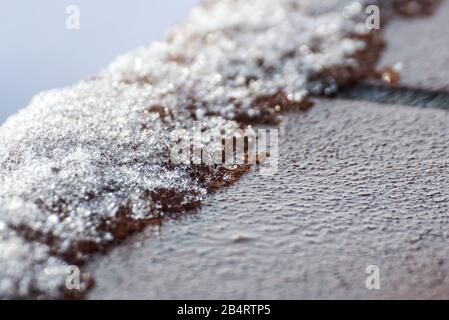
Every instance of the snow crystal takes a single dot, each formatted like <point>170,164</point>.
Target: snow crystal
<point>85,165</point>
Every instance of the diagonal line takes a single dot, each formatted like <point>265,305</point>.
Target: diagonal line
<point>398,95</point>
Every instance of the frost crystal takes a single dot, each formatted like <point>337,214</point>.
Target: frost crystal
<point>88,164</point>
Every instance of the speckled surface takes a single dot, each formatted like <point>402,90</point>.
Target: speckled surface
<point>87,165</point>
<point>81,167</point>
<point>358,184</point>
<point>421,45</point>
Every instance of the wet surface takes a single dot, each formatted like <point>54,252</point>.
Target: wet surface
<point>358,184</point>
<point>400,95</point>
<point>85,166</point>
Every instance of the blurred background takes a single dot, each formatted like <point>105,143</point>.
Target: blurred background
<point>39,53</point>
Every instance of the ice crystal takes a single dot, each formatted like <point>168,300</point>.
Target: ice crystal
<point>85,165</point>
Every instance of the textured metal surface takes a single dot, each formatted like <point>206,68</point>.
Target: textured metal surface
<point>84,166</point>
<point>421,44</point>
<point>358,184</point>
<point>398,95</point>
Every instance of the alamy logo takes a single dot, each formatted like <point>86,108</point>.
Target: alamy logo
<point>235,146</point>
<point>72,21</point>
<point>72,281</point>
<point>71,274</point>
<point>372,13</point>
<point>373,280</point>
<point>373,20</point>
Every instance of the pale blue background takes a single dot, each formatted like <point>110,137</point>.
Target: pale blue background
<point>38,53</point>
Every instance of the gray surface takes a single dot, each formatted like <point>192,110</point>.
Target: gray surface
<point>422,45</point>
<point>359,184</point>
<point>399,95</point>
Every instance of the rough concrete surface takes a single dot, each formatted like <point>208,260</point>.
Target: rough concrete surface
<point>421,45</point>
<point>358,184</point>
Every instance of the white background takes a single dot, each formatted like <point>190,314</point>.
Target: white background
<point>38,53</point>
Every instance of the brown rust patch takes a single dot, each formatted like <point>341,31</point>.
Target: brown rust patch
<point>413,8</point>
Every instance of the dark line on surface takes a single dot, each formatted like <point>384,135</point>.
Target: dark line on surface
<point>398,96</point>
